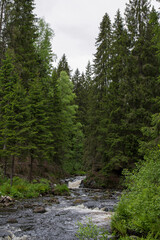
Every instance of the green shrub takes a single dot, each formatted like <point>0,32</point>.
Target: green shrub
<point>139,209</point>
<point>61,189</point>
<point>90,231</point>
<point>23,189</point>
<point>5,188</point>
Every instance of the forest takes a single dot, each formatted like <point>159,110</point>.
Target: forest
<point>103,122</point>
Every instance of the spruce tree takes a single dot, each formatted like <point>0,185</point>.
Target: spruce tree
<point>39,137</point>
<point>80,90</point>
<point>71,129</point>
<point>115,158</point>
<point>95,141</point>
<point>5,15</point>
<point>63,66</point>
<point>13,113</point>
<point>44,48</point>
<point>21,38</point>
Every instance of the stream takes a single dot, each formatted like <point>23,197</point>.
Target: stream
<point>59,220</point>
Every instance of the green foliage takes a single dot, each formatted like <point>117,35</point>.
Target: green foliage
<point>61,189</point>
<point>23,189</point>
<point>139,209</point>
<point>90,231</point>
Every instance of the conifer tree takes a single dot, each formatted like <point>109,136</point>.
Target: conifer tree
<point>21,38</point>
<point>44,48</point>
<point>63,66</point>
<point>95,146</point>
<point>71,129</point>
<point>39,137</point>
<point>79,83</point>
<point>115,158</point>
<point>5,15</point>
<point>13,113</point>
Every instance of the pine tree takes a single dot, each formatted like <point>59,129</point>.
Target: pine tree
<point>21,38</point>
<point>115,158</point>
<point>71,130</point>
<point>95,141</point>
<point>63,66</point>
<point>5,15</point>
<point>44,48</point>
<point>39,137</point>
<point>80,90</point>
<point>13,113</point>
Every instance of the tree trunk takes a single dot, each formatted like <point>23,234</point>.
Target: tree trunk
<point>1,17</point>
<point>5,166</point>
<point>31,168</point>
<point>12,170</point>
<point>5,162</point>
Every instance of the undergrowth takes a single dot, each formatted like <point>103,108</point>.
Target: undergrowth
<point>61,189</point>
<point>138,212</point>
<point>23,189</point>
<point>89,231</point>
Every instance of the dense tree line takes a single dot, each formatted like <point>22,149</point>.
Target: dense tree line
<point>123,92</point>
<point>102,116</point>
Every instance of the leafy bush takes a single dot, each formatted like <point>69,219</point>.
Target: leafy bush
<point>90,231</point>
<point>139,210</point>
<point>23,189</point>
<point>61,189</point>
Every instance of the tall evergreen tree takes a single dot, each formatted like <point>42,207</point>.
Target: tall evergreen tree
<point>21,38</point>
<point>63,66</point>
<point>71,130</point>
<point>44,48</point>
<point>13,113</point>
<point>5,15</point>
<point>115,158</point>
<point>102,79</point>
<point>39,136</point>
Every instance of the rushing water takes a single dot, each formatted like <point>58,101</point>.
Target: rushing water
<point>59,222</point>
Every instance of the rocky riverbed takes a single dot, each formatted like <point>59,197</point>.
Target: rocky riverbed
<point>55,218</point>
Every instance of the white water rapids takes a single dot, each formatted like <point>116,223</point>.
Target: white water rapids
<point>76,183</point>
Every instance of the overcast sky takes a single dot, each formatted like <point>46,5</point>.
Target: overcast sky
<point>76,25</point>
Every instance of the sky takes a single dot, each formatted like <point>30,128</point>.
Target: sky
<point>76,26</point>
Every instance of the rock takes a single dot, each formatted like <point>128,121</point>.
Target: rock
<point>78,201</point>
<point>105,209</point>
<point>8,204</point>
<point>12,220</point>
<point>27,205</point>
<point>5,199</point>
<point>51,200</point>
<point>39,210</point>
<point>5,234</point>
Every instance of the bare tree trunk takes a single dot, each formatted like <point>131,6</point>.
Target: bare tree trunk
<point>31,168</point>
<point>5,162</point>
<point>5,166</point>
<point>1,16</point>
<point>12,170</point>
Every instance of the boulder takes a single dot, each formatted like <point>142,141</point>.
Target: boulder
<point>12,220</point>
<point>5,234</point>
<point>39,210</point>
